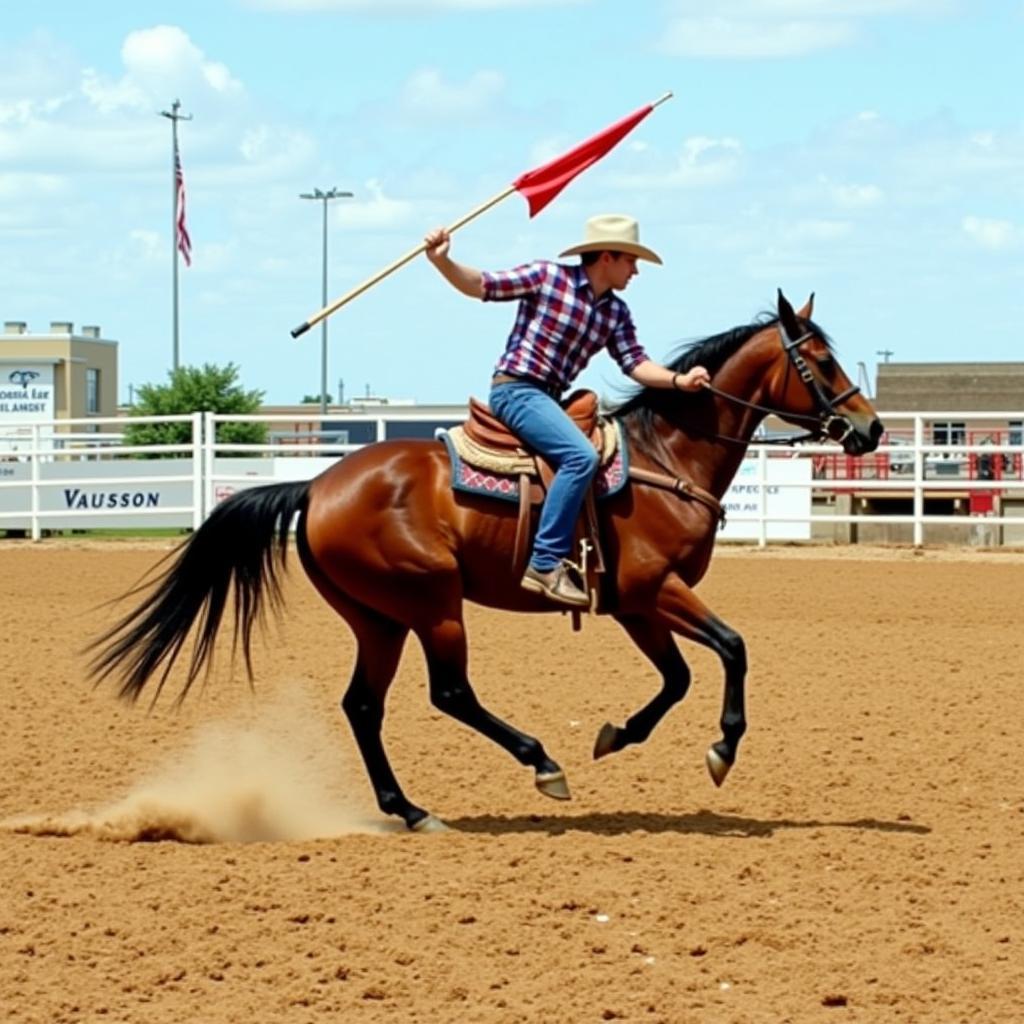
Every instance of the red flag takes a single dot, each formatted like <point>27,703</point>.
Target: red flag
<point>183,241</point>
<point>542,184</point>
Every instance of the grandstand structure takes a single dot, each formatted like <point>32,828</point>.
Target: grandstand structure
<point>969,418</point>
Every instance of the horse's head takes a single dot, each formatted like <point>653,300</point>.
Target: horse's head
<point>806,384</point>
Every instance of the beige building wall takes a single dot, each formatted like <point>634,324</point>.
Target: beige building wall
<point>75,358</point>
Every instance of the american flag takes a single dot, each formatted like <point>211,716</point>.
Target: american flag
<point>184,242</point>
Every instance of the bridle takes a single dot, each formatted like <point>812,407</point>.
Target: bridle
<point>828,423</point>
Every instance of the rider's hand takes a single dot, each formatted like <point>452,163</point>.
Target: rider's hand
<point>693,380</point>
<point>437,242</point>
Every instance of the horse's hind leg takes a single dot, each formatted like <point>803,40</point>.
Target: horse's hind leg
<point>444,644</point>
<point>380,642</point>
<point>656,641</point>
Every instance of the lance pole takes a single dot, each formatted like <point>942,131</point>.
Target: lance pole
<point>413,253</point>
<point>400,262</point>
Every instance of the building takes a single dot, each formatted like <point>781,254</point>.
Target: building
<point>56,375</point>
<point>957,388</point>
<point>974,406</point>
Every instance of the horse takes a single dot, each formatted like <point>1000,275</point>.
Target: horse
<point>393,549</point>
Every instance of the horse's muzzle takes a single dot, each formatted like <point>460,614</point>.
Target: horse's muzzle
<point>859,438</point>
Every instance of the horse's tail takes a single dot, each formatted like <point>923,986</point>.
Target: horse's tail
<point>243,543</point>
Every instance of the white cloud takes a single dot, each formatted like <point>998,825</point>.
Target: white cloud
<point>385,7</point>
<point>857,195</point>
<point>817,8</point>
<point>746,29</point>
<point>990,233</point>
<point>83,118</point>
<point>716,36</point>
<point>108,97</point>
<point>703,162</point>
<point>379,211</point>
<point>17,188</point>
<point>37,67</point>
<point>427,94</point>
<point>819,230</point>
<point>213,257</point>
<point>147,246</point>
<point>166,53</point>
<point>157,62</point>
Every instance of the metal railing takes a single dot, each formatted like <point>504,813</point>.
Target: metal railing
<point>840,491</point>
<point>46,452</point>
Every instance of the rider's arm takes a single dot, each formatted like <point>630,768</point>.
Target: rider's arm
<point>491,286</point>
<point>650,374</point>
<point>467,280</point>
<point>627,351</point>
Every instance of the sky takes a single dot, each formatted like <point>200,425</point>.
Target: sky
<point>869,151</point>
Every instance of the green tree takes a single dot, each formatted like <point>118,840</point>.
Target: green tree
<point>195,389</point>
<point>315,399</point>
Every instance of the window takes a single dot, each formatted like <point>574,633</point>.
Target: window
<point>92,390</point>
<point>949,433</point>
<point>1016,435</point>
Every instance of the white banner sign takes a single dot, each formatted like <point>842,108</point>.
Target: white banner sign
<point>26,393</point>
<point>746,497</point>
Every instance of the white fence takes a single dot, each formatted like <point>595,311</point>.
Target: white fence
<point>66,475</point>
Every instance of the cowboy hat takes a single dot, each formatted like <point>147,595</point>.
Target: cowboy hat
<point>612,232</point>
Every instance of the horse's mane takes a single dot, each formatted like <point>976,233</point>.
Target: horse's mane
<point>641,406</point>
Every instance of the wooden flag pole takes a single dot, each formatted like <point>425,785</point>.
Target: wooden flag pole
<point>400,262</point>
<point>413,253</point>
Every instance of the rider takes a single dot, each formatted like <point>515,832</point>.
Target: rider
<point>566,314</point>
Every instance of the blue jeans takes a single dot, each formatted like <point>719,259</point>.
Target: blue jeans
<point>542,423</point>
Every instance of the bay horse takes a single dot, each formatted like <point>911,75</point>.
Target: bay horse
<point>393,548</point>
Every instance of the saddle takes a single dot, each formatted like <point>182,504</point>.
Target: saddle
<point>486,430</point>
<point>484,442</point>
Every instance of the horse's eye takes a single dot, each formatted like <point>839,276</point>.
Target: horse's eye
<point>826,363</point>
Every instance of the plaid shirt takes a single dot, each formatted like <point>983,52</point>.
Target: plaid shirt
<point>560,325</point>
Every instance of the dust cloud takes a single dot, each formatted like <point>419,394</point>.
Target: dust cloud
<point>272,779</point>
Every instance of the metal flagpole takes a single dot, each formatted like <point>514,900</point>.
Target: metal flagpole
<point>174,118</point>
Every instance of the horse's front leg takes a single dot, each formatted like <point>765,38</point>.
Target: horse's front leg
<point>657,642</point>
<point>679,610</point>
<point>684,613</point>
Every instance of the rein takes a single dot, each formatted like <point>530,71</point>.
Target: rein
<point>826,418</point>
<point>809,435</point>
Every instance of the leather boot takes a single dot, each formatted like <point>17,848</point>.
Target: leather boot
<point>555,585</point>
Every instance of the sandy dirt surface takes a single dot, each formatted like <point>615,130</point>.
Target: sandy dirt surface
<point>862,862</point>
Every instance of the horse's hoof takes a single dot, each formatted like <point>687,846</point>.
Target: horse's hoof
<point>718,767</point>
<point>430,824</point>
<point>553,784</point>
<point>605,742</point>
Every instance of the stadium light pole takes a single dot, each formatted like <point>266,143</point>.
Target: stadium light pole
<point>324,198</point>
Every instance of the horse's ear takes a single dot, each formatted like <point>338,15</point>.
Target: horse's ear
<point>807,311</point>
<point>787,317</point>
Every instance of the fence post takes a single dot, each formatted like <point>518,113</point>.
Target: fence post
<point>762,486</point>
<point>209,439</point>
<point>197,470</point>
<point>36,532</point>
<point>919,467</point>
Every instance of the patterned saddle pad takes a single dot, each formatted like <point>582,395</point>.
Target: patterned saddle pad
<point>488,472</point>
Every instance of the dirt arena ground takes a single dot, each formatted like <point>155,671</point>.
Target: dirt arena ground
<point>862,863</point>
